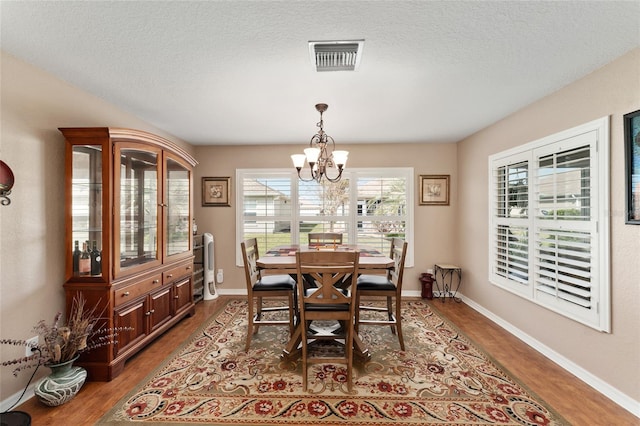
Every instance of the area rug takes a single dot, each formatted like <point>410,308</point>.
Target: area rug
<point>441,378</point>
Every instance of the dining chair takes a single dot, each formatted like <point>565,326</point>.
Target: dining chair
<point>388,286</point>
<point>329,301</point>
<point>324,238</point>
<point>261,287</point>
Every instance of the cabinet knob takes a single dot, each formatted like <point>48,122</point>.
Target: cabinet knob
<point>156,281</point>
<point>169,275</point>
<point>176,297</point>
<point>125,294</point>
<point>153,310</point>
<point>188,267</point>
<point>148,313</point>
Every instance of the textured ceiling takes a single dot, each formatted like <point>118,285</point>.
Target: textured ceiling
<point>238,72</point>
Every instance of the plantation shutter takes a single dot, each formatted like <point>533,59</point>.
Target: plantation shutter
<point>324,207</point>
<point>510,214</point>
<point>367,206</point>
<point>549,210</point>
<point>381,210</point>
<point>565,237</point>
<point>266,208</point>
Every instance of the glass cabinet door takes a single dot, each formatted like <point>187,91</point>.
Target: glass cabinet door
<point>177,226</point>
<point>86,210</point>
<point>137,205</point>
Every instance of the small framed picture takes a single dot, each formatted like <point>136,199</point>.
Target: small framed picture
<point>632,166</point>
<point>434,190</point>
<point>215,191</point>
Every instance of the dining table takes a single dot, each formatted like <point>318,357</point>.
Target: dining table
<point>282,260</point>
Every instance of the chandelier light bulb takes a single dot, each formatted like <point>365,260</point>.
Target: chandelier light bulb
<point>340,158</point>
<point>312,155</point>
<point>298,160</point>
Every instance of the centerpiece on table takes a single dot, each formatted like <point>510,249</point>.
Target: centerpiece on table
<point>59,345</point>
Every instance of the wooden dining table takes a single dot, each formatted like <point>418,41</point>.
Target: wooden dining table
<point>282,260</point>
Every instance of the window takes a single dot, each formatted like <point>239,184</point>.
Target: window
<point>368,206</point>
<point>549,203</point>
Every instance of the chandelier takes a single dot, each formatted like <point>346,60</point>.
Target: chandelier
<point>321,155</point>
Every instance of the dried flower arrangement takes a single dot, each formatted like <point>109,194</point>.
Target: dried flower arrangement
<point>59,343</point>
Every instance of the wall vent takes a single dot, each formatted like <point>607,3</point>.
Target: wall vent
<point>336,55</point>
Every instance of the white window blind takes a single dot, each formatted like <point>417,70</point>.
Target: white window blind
<point>367,206</point>
<point>324,207</point>
<point>266,206</point>
<point>511,224</point>
<point>549,222</point>
<point>383,208</point>
<point>566,234</point>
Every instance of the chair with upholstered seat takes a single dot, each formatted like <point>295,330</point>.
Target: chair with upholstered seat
<point>324,238</point>
<point>388,286</point>
<point>331,270</point>
<point>261,287</point>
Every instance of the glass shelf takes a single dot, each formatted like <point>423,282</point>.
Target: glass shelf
<point>86,210</point>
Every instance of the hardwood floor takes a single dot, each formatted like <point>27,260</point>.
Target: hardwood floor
<point>576,401</point>
<point>573,399</point>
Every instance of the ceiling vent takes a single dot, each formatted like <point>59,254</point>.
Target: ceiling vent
<point>336,55</point>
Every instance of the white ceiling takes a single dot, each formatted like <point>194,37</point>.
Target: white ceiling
<point>239,72</point>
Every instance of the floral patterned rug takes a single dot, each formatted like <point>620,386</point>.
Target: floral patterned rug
<point>442,378</point>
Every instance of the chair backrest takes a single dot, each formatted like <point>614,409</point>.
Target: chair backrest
<point>329,269</point>
<point>324,238</point>
<point>398,254</point>
<point>250,256</point>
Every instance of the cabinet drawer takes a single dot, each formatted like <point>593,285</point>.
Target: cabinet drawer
<point>170,275</point>
<point>133,291</point>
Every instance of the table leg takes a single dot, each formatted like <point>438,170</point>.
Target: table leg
<point>360,351</point>
<point>292,351</point>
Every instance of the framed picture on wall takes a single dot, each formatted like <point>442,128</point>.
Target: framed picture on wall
<point>632,166</point>
<point>434,190</point>
<point>215,191</point>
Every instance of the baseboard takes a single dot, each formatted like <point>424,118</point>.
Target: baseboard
<point>620,398</point>
<point>233,292</point>
<point>10,402</point>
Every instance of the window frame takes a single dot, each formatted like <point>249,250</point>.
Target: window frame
<point>595,136</point>
<point>352,174</point>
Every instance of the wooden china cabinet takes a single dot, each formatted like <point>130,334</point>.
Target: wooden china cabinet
<point>129,204</point>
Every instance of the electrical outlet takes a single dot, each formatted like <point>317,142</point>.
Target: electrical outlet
<point>220,276</point>
<point>30,344</point>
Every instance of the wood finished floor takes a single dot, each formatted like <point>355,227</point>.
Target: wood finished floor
<point>576,401</point>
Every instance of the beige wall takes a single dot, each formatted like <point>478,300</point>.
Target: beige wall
<point>613,358</point>
<point>33,105</point>
<point>435,226</point>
